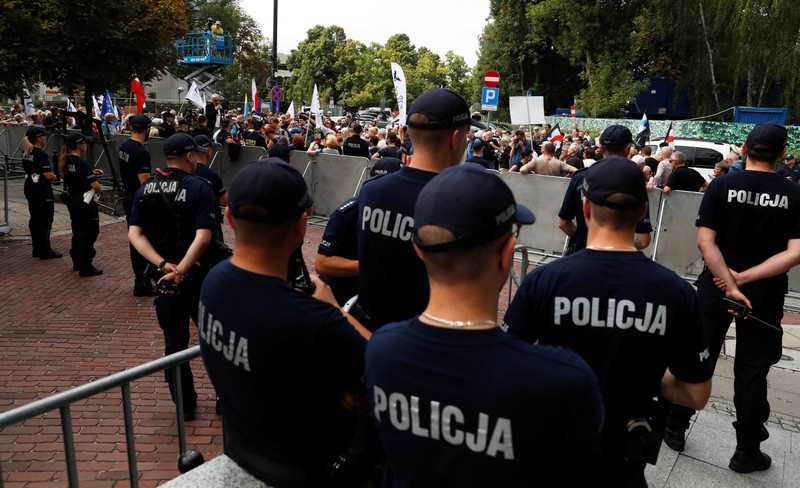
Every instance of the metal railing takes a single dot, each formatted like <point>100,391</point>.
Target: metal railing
<point>63,400</point>
<point>5,225</point>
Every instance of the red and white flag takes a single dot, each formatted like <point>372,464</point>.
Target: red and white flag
<point>671,137</point>
<point>138,90</point>
<point>556,137</point>
<point>256,102</point>
<point>572,112</point>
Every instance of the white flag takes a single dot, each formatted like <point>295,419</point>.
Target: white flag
<point>70,106</point>
<point>290,110</point>
<point>27,100</point>
<point>96,108</point>
<point>315,106</point>
<point>193,95</point>
<point>399,80</point>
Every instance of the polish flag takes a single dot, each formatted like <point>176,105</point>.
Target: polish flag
<point>572,111</point>
<point>138,90</point>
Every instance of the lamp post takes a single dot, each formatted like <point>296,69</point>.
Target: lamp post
<point>180,90</point>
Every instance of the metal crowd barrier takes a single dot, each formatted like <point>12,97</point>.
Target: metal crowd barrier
<point>332,179</point>
<point>5,225</point>
<point>63,400</point>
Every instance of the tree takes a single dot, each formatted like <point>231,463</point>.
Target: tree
<point>94,45</point>
<point>314,61</point>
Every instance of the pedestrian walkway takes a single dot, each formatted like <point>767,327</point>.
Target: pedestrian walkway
<point>61,331</point>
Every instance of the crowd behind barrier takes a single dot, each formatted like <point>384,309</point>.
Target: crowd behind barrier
<point>333,179</point>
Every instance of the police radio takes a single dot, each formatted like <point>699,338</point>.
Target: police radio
<point>298,273</point>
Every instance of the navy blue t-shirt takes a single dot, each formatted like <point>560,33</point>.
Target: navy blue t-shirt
<point>627,316</point>
<point>686,179</point>
<point>793,173</point>
<point>278,359</point>
<point>754,214</point>
<point>37,163</point>
<point>392,283</point>
<point>572,208</point>
<point>341,239</point>
<point>479,160</point>
<point>133,160</point>
<point>79,177</point>
<point>478,408</point>
<point>212,177</point>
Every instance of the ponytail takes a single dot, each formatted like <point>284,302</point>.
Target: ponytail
<point>62,159</point>
<point>27,147</point>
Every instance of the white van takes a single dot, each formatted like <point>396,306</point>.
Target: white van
<point>701,154</point>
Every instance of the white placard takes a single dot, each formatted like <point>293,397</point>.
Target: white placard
<point>526,110</point>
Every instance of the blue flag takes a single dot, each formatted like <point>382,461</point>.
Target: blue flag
<point>108,107</point>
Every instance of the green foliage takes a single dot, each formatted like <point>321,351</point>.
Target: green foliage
<point>94,45</point>
<point>609,89</point>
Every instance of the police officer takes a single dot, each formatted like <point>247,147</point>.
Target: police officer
<point>253,136</point>
<point>616,140</point>
<point>628,317</point>
<point>478,146</point>
<point>392,284</point>
<point>39,193</point>
<point>82,190</point>
<point>748,230</point>
<point>337,255</point>
<point>355,145</point>
<point>171,226</point>
<point>444,417</point>
<point>303,348</point>
<point>134,169</point>
<point>204,150</point>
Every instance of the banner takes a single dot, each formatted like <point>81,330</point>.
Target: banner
<point>399,80</point>
<point>256,101</point>
<point>290,110</point>
<point>27,100</point>
<point>315,109</point>
<point>526,110</point>
<point>138,90</point>
<point>193,95</point>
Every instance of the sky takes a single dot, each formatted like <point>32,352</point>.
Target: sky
<point>439,25</point>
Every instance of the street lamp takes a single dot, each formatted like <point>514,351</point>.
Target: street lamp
<point>180,90</point>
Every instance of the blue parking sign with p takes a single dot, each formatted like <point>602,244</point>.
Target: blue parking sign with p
<point>490,96</point>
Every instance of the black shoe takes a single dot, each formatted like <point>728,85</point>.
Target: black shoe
<point>675,439</point>
<point>75,267</point>
<point>51,255</point>
<point>188,414</point>
<point>145,289</point>
<point>747,462</point>
<point>217,407</point>
<point>90,271</point>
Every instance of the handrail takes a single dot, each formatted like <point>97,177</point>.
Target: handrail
<point>5,226</point>
<point>82,392</point>
<point>63,400</point>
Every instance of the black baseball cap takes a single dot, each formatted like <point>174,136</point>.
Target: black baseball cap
<point>613,175</point>
<point>444,109</point>
<point>771,137</point>
<point>472,203</point>
<point>76,138</point>
<point>281,151</point>
<point>141,121</point>
<point>790,156</point>
<point>383,166</point>
<point>203,144</point>
<point>477,145</point>
<point>33,132</point>
<point>616,135</point>
<point>357,129</point>
<point>180,143</point>
<point>272,191</point>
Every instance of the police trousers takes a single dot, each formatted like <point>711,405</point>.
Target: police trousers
<point>41,209</point>
<point>85,220</point>
<point>173,313</point>
<point>758,347</point>
<point>138,263</point>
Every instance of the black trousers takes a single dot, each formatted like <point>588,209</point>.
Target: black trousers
<point>41,209</point>
<point>758,347</point>
<point>173,313</point>
<point>85,220</point>
<point>138,263</point>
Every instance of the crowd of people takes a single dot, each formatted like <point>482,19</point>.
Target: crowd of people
<point>601,355</point>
